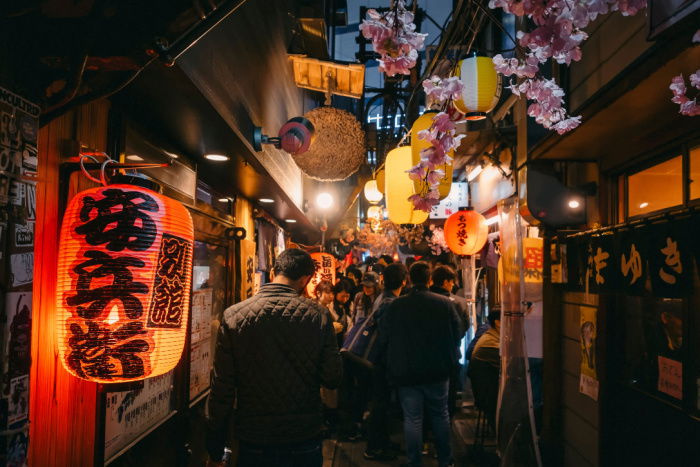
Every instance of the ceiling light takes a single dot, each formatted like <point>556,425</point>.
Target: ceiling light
<point>573,204</point>
<point>290,221</point>
<point>324,200</point>
<point>134,157</point>
<point>492,220</point>
<point>474,173</point>
<point>216,157</point>
<point>266,200</point>
<point>224,200</point>
<point>643,205</point>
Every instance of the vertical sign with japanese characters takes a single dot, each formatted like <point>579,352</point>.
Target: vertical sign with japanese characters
<point>248,268</point>
<point>325,271</point>
<point>18,170</point>
<point>670,259</point>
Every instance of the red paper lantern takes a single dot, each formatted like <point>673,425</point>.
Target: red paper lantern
<point>123,283</point>
<point>466,232</point>
<point>325,271</point>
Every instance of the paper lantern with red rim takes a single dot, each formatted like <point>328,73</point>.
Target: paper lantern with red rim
<point>123,283</point>
<point>466,232</point>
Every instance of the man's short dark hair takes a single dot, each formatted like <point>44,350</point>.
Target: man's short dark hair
<point>394,275</point>
<point>387,259</point>
<point>494,315</point>
<point>343,285</point>
<point>294,263</point>
<point>442,274</point>
<point>354,271</point>
<point>420,273</point>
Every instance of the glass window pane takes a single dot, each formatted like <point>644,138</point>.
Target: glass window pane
<point>657,187</point>
<point>695,173</point>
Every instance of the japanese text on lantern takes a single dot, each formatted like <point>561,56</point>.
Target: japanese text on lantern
<point>462,230</point>
<point>114,260</point>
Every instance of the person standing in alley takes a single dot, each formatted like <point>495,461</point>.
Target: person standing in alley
<point>419,337</point>
<point>273,353</point>
<point>379,445</point>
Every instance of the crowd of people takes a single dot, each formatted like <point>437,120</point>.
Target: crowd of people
<point>290,369</point>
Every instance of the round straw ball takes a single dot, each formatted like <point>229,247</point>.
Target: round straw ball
<point>338,148</point>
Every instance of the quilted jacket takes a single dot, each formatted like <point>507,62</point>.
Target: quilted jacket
<point>273,353</point>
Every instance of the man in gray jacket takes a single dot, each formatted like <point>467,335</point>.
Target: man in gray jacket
<point>273,353</point>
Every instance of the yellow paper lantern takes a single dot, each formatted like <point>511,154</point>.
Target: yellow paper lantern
<point>399,187</point>
<point>417,145</point>
<point>380,181</point>
<point>482,86</point>
<point>374,212</point>
<point>372,193</point>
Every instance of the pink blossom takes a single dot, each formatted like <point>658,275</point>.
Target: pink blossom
<point>435,176</point>
<point>442,123</point>
<point>695,79</point>
<point>418,172</point>
<point>425,203</point>
<point>394,38</point>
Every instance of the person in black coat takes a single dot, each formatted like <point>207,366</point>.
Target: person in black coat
<point>419,336</point>
<point>273,353</point>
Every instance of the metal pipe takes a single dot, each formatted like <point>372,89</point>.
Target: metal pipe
<point>170,54</point>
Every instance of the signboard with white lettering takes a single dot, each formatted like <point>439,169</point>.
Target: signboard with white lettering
<point>459,196</point>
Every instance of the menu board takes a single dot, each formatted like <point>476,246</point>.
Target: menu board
<point>129,414</point>
<point>200,342</point>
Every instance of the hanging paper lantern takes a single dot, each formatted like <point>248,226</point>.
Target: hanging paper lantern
<point>372,193</point>
<point>375,212</point>
<point>325,271</point>
<point>123,283</point>
<point>380,181</point>
<point>482,86</point>
<point>466,232</point>
<point>424,122</point>
<point>399,187</point>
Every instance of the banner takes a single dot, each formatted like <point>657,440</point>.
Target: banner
<point>670,259</point>
<point>588,382</point>
<point>631,251</point>
<point>248,268</point>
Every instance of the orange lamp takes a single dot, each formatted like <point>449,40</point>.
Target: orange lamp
<point>123,283</point>
<point>325,271</point>
<point>466,232</point>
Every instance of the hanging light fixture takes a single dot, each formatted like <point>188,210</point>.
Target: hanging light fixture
<point>482,86</point>
<point>466,232</point>
<point>380,181</point>
<point>123,283</point>
<point>375,212</point>
<point>424,122</point>
<point>372,193</point>
<point>399,187</point>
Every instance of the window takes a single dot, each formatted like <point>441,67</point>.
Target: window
<point>655,188</point>
<point>695,173</point>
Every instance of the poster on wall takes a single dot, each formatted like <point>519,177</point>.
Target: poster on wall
<point>200,342</point>
<point>588,383</point>
<point>19,159</point>
<point>129,414</point>
<point>248,268</point>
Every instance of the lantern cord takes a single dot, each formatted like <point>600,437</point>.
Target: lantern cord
<point>82,166</point>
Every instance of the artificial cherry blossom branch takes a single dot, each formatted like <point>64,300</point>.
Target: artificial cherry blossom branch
<point>688,107</point>
<point>442,138</point>
<point>394,38</point>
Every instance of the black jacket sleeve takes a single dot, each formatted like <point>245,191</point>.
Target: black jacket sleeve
<point>331,364</point>
<point>222,395</point>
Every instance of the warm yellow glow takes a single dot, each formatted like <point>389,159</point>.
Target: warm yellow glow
<point>375,212</point>
<point>324,200</point>
<point>657,187</point>
<point>380,181</point>
<point>399,187</point>
<point>372,193</point>
<point>417,145</point>
<point>318,75</point>
<point>482,87</point>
